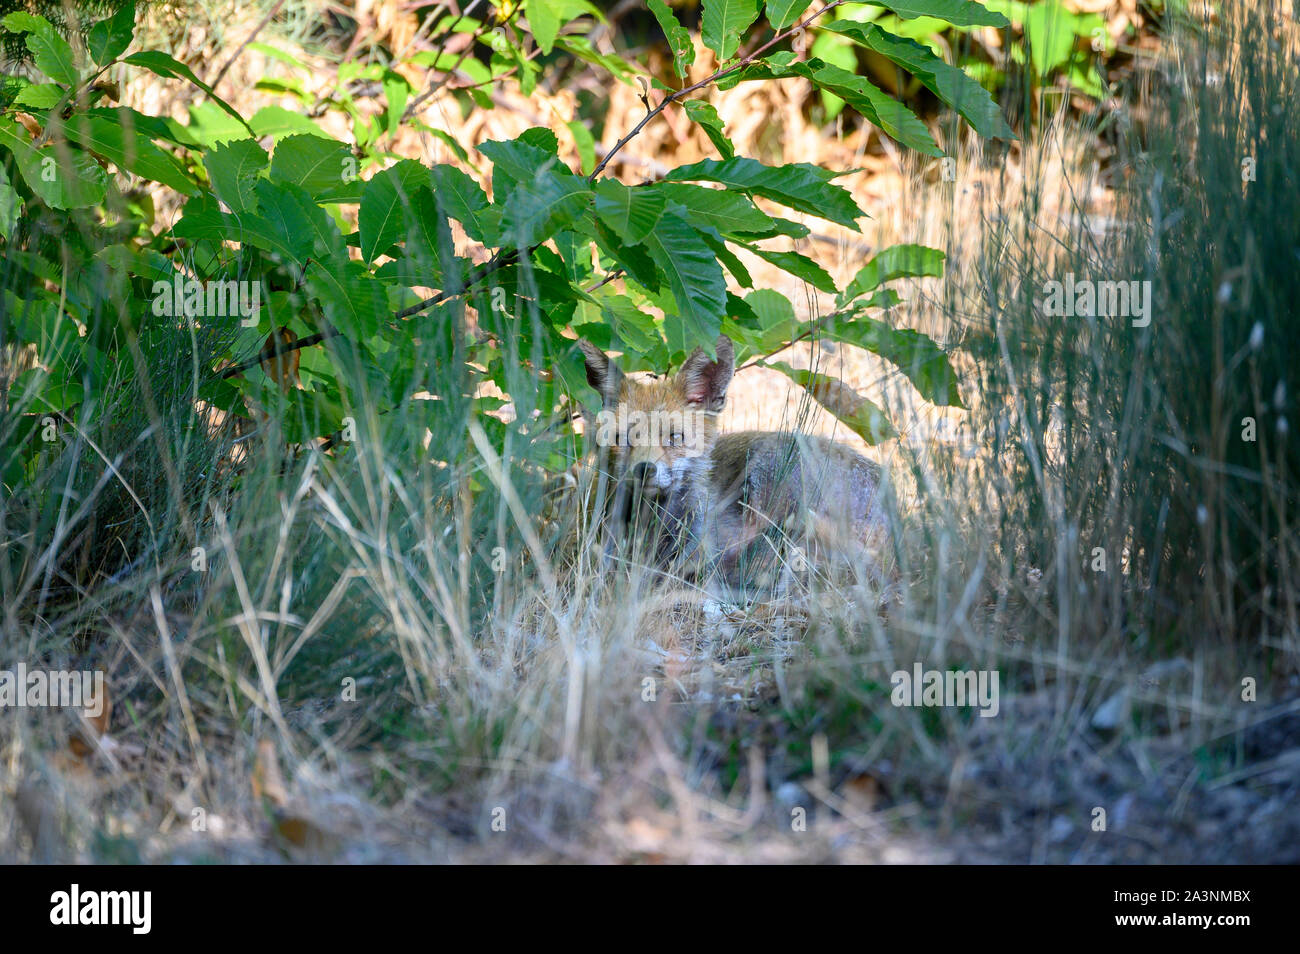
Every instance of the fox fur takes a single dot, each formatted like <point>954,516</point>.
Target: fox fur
<point>743,510</point>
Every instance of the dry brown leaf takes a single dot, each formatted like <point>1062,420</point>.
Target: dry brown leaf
<point>293,828</point>
<point>267,781</point>
<point>29,123</point>
<point>281,368</point>
<point>94,726</point>
<point>104,706</point>
<point>862,792</point>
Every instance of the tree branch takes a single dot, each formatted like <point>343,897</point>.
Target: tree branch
<point>670,98</point>
<point>221,73</point>
<point>282,347</point>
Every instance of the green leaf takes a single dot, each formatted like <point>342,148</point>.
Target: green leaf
<point>706,116</point>
<point>108,39</point>
<point>782,13</point>
<point>864,418</point>
<point>318,165</point>
<point>63,178</point>
<point>874,105</point>
<point>278,121</point>
<point>920,359</point>
<point>451,63</point>
<point>40,96</point>
<point>768,325</point>
<point>731,213</point>
<point>386,204</point>
<point>203,221</point>
<point>634,259</point>
<point>209,124</point>
<point>726,256</point>
<point>397,90</point>
<point>39,391</point>
<point>11,205</point>
<point>515,161</point>
<point>166,66</point>
<point>1085,75</point>
<point>800,186</point>
<point>542,138</point>
<point>299,222</point>
<point>43,323</point>
<point>837,51</point>
<point>582,138</point>
<point>897,261</point>
<point>544,19</point>
<point>460,197</point>
<point>884,299</point>
<point>22,22</point>
<point>956,12</point>
<point>581,47</point>
<point>950,84</point>
<point>773,311</point>
<point>129,149</point>
<point>50,52</point>
<point>695,278</point>
<point>429,253</point>
<point>778,227</point>
<point>724,24</point>
<point>447,138</point>
<point>631,326</point>
<point>631,213</point>
<point>233,168</point>
<point>525,66</point>
<point>353,301</point>
<point>1049,28</point>
<point>288,59</point>
<point>155,127</point>
<point>800,266</point>
<point>679,39</point>
<point>527,284</point>
<point>535,210</point>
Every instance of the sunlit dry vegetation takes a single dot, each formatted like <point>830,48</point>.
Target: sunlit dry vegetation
<point>334,561</point>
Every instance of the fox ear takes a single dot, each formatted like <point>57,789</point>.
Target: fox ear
<point>704,381</point>
<point>602,373</point>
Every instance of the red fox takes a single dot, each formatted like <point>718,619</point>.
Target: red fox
<point>739,509</point>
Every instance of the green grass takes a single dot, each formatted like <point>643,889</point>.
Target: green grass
<point>523,689</point>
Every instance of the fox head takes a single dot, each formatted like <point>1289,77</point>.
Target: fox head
<point>653,438</point>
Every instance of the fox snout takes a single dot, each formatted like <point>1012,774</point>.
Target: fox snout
<point>638,487</point>
<point>645,486</point>
<point>650,478</point>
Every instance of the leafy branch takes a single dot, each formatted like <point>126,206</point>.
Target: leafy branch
<point>670,98</point>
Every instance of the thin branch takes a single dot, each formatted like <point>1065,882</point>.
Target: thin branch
<point>761,360</point>
<point>615,274</point>
<point>251,37</point>
<point>416,103</point>
<point>280,347</point>
<point>427,23</point>
<point>670,98</point>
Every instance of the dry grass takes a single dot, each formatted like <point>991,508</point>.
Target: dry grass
<point>598,719</point>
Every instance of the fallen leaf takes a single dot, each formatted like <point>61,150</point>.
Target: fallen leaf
<point>281,368</point>
<point>267,781</point>
<point>29,123</point>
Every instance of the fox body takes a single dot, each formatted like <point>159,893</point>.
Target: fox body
<point>739,509</point>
